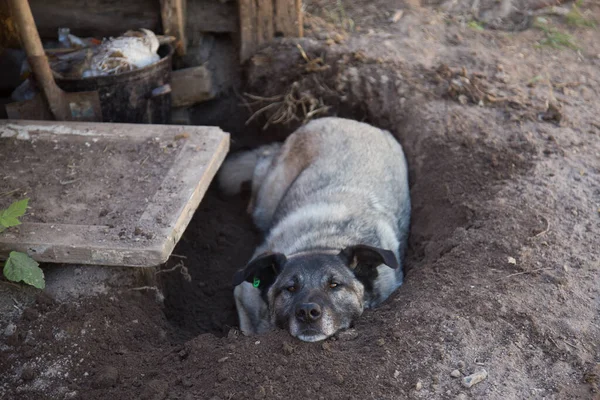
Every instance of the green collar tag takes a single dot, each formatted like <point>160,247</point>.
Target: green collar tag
<point>256,282</point>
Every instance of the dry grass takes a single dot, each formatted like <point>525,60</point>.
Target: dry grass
<point>294,105</point>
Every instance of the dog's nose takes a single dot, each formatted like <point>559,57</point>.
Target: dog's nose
<point>308,312</point>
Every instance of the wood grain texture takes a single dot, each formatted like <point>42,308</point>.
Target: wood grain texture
<point>261,20</point>
<point>286,18</point>
<point>203,149</point>
<point>105,18</point>
<point>190,86</point>
<point>173,16</point>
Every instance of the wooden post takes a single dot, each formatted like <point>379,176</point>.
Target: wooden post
<point>286,17</point>
<point>262,20</point>
<point>173,20</point>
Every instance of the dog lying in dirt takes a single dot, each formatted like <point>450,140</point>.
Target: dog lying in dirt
<point>333,203</point>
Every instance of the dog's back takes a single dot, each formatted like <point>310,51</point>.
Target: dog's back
<point>354,190</point>
<point>333,183</point>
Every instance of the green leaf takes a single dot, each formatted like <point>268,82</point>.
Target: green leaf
<point>10,216</point>
<point>20,267</point>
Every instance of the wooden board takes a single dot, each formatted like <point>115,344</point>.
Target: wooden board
<point>190,86</point>
<point>262,20</point>
<point>105,18</point>
<point>173,16</point>
<point>211,16</point>
<point>97,18</point>
<point>287,18</point>
<point>163,218</point>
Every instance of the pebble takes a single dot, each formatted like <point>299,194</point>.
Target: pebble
<point>260,393</point>
<point>10,329</point>
<point>155,390</point>
<point>474,379</point>
<point>30,314</point>
<point>512,260</point>
<point>347,335</point>
<point>461,364</point>
<point>455,374</point>
<point>107,377</point>
<point>396,17</point>
<point>27,374</point>
<point>287,348</point>
<point>222,376</point>
<point>418,386</point>
<point>279,371</point>
<point>380,342</point>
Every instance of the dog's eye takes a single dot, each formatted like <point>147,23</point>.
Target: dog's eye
<point>333,285</point>
<point>291,289</point>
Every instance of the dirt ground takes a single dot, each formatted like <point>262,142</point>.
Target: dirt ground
<point>501,134</point>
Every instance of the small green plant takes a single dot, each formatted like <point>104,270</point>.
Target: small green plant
<point>576,17</point>
<point>10,216</point>
<point>553,37</point>
<point>19,266</point>
<point>476,26</point>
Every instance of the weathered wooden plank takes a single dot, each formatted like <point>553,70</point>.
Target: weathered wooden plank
<point>256,25</point>
<point>248,34</point>
<point>104,18</point>
<point>286,18</point>
<point>211,16</point>
<point>261,20</point>
<point>97,18</point>
<point>190,86</point>
<point>300,17</point>
<point>173,16</point>
<point>165,215</point>
<point>264,21</point>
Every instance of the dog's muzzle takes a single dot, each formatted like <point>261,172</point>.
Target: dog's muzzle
<point>311,323</point>
<point>307,313</point>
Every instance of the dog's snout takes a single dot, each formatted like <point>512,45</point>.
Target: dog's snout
<point>308,312</point>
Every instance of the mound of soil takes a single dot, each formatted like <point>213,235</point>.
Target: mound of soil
<point>503,267</point>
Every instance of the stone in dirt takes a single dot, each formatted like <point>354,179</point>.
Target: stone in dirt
<point>10,329</point>
<point>155,390</point>
<point>474,379</point>
<point>455,374</point>
<point>28,374</point>
<point>107,377</point>
<point>347,335</point>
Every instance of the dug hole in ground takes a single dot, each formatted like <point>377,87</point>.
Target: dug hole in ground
<point>503,267</point>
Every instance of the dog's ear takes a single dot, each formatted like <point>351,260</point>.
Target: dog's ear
<point>262,271</point>
<point>364,260</point>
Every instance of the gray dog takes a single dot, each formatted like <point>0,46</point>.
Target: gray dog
<point>333,202</point>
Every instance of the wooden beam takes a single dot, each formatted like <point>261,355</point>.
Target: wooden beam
<point>261,20</point>
<point>98,18</point>
<point>256,25</point>
<point>190,86</point>
<point>173,16</point>
<point>248,36</point>
<point>286,18</point>
<point>211,16</point>
<point>105,18</point>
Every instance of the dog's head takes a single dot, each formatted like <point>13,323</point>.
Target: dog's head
<point>314,295</point>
